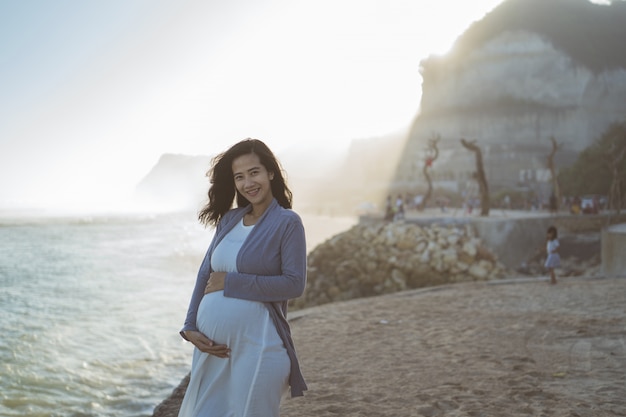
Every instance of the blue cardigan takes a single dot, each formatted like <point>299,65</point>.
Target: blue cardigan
<point>272,270</point>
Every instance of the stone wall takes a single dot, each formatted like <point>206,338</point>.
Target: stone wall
<point>614,250</point>
<point>517,239</point>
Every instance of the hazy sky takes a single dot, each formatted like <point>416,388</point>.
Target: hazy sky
<point>93,92</point>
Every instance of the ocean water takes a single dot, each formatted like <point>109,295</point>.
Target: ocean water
<point>90,309</point>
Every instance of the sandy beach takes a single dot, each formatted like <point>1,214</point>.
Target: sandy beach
<point>471,349</point>
<point>505,347</point>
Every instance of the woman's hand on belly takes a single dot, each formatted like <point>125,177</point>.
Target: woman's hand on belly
<point>215,283</point>
<point>206,345</point>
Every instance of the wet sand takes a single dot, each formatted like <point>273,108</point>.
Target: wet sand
<point>476,349</point>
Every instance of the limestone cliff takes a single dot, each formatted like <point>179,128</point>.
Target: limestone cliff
<point>526,72</point>
<point>179,182</point>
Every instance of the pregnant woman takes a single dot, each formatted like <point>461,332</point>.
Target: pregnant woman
<point>245,359</point>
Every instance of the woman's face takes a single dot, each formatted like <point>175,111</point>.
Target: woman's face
<point>252,180</point>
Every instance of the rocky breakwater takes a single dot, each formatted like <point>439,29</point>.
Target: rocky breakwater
<point>374,259</point>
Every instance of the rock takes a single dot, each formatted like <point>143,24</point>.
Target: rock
<point>449,257</point>
<point>462,266</point>
<point>406,243</point>
<point>170,406</point>
<point>478,271</point>
<point>453,239</point>
<point>470,248</point>
<point>466,258</point>
<point>373,259</point>
<point>399,278</point>
<point>370,266</point>
<point>484,253</point>
<point>420,246</point>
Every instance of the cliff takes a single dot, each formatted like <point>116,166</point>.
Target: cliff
<point>176,182</point>
<point>528,71</point>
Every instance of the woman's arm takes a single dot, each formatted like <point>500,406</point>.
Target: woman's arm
<point>196,297</point>
<point>268,288</point>
<point>201,281</point>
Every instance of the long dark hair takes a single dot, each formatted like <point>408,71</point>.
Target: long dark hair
<point>222,191</point>
<point>552,230</point>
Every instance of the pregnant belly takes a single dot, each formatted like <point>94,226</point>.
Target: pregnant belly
<point>225,320</point>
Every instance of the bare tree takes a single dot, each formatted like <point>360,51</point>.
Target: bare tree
<point>555,181</point>
<point>479,175</point>
<point>432,152</point>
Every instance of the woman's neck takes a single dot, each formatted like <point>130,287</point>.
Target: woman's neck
<point>253,215</point>
<point>258,210</point>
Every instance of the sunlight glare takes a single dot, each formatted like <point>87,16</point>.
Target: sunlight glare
<point>294,73</point>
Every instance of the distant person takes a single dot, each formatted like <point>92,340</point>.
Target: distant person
<point>553,260</point>
<point>576,206</point>
<point>389,209</point>
<point>442,204</point>
<point>399,209</point>
<point>244,358</point>
<point>506,202</point>
<point>553,203</point>
<point>417,201</point>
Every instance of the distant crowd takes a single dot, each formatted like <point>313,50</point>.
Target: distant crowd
<point>397,206</point>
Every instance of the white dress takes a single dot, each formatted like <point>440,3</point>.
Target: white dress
<point>553,260</point>
<point>252,381</point>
